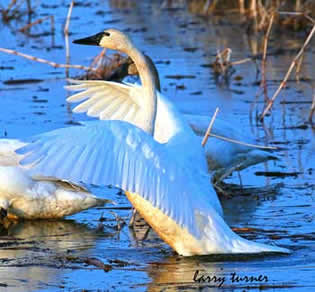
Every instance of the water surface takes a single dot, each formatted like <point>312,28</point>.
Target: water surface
<point>50,256</point>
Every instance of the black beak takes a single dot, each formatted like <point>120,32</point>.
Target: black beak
<point>93,40</point>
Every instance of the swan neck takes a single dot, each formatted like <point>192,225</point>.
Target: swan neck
<point>148,87</point>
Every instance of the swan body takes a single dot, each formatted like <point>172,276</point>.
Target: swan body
<point>162,182</point>
<point>223,156</point>
<point>98,99</point>
<point>159,184</point>
<point>108,100</point>
<point>27,197</point>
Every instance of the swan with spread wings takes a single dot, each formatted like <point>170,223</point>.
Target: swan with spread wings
<point>166,180</point>
<point>224,156</point>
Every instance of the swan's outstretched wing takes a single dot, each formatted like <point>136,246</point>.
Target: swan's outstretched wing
<point>115,153</point>
<point>7,155</point>
<point>107,100</point>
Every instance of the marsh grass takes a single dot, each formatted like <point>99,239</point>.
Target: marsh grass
<point>103,67</point>
<point>294,64</point>
<point>256,13</point>
<point>16,9</point>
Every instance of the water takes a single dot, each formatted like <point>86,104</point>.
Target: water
<point>50,256</point>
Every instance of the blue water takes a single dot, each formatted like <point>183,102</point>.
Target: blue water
<point>281,209</point>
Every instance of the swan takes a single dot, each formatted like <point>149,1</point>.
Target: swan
<point>29,197</point>
<point>223,156</point>
<point>166,181</point>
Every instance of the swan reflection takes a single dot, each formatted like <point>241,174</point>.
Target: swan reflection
<point>33,251</point>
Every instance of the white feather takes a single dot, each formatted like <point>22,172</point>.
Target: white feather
<point>166,180</point>
<point>223,157</point>
<point>28,197</point>
<point>174,193</point>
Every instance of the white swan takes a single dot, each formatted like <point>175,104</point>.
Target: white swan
<point>223,157</point>
<point>29,197</point>
<point>166,182</point>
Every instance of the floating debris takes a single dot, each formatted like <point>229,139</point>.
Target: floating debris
<point>178,76</point>
<point>22,81</point>
<point>277,173</point>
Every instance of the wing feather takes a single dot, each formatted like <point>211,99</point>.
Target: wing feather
<point>89,103</point>
<point>119,154</point>
<point>61,157</point>
<point>131,114</point>
<point>107,100</point>
<point>108,111</point>
<point>99,165</point>
<point>73,155</point>
<point>97,108</point>
<point>82,95</point>
<point>121,110</point>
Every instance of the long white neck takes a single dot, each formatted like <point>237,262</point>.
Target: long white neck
<point>148,86</point>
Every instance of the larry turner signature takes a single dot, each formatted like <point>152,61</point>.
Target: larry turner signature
<point>233,278</point>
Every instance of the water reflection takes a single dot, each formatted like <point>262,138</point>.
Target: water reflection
<point>175,272</point>
<point>28,260</point>
<point>209,273</point>
<point>33,252</point>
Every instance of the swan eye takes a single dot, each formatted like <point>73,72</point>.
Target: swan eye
<point>106,33</point>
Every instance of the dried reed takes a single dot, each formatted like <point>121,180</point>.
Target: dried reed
<point>283,83</point>
<point>207,134</point>
<point>255,13</point>
<point>39,21</point>
<point>263,83</point>
<point>106,68</point>
<point>40,60</point>
<point>6,12</point>
<point>222,62</point>
<point>243,143</point>
<point>310,116</point>
<point>13,10</point>
<point>26,27</point>
<point>66,33</point>
<point>113,67</point>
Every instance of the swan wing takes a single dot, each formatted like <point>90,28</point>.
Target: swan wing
<point>107,100</point>
<point>119,154</point>
<point>7,155</point>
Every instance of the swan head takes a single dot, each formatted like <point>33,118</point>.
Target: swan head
<point>110,38</point>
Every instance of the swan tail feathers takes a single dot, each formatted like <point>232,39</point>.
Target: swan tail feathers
<point>217,237</point>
